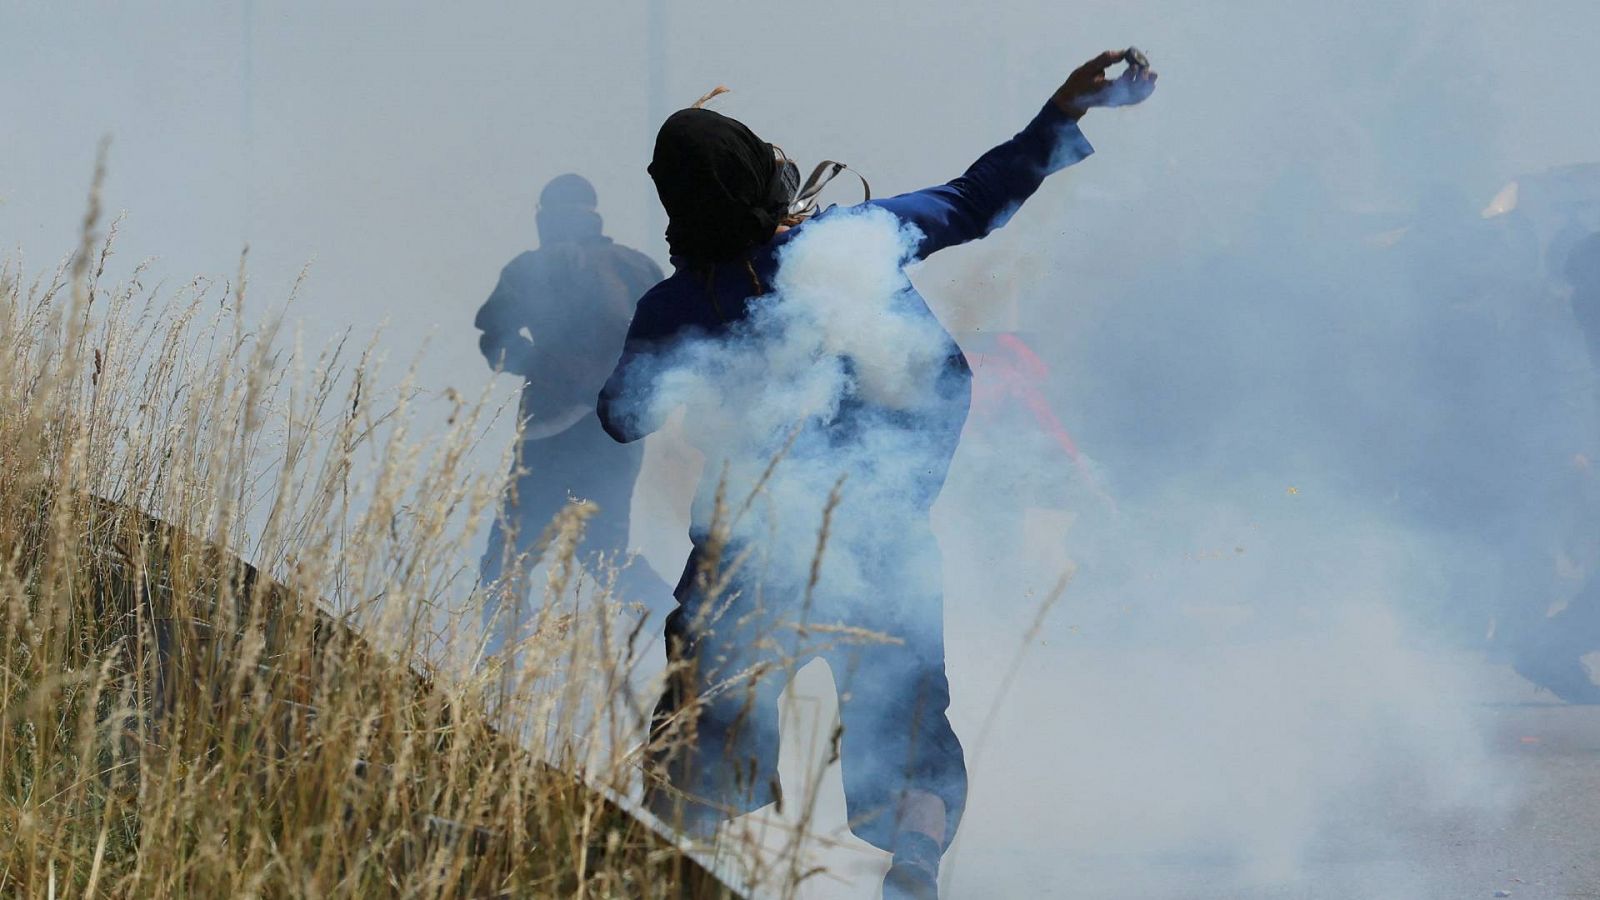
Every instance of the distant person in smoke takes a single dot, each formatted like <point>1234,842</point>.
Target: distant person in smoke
<point>556,319</point>
<point>1553,655</point>
<point>1487,467</point>
<point>736,208</point>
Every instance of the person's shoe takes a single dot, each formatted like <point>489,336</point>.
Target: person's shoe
<point>910,881</point>
<point>1567,678</point>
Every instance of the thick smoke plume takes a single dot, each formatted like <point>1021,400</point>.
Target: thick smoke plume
<point>832,328</point>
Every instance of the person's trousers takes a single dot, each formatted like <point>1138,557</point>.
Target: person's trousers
<point>715,731</point>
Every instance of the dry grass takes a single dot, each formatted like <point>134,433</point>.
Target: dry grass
<point>176,723</point>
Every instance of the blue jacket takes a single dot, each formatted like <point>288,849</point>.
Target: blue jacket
<point>697,303</point>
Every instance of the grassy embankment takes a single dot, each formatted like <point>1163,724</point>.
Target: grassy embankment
<point>179,724</point>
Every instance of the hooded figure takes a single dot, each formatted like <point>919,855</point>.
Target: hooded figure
<point>555,318</point>
<point>741,628</point>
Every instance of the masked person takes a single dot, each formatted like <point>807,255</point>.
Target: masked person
<point>731,200</point>
<point>556,318</point>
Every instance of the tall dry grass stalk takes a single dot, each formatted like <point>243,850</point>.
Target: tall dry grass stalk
<point>177,723</point>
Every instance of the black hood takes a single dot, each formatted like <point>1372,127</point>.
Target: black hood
<point>719,184</point>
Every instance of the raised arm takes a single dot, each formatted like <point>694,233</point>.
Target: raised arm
<point>993,188</point>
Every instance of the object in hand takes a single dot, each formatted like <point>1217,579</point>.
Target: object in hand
<point>1135,58</point>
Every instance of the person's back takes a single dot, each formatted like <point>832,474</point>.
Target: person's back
<point>557,316</point>
<point>755,359</point>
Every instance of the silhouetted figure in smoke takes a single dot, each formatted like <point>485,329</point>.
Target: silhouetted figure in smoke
<point>557,318</point>
<point>1553,657</point>
<point>732,203</point>
<point>1483,450</point>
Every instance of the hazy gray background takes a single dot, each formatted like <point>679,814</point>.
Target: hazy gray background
<point>398,149</point>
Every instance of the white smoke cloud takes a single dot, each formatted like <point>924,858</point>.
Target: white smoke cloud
<point>1209,348</point>
<point>839,325</point>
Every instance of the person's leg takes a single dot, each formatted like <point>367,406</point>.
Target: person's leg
<point>502,571</point>
<point>631,580</point>
<point>714,734</point>
<point>905,774</point>
<point>604,472</point>
<point>904,769</point>
<point>532,501</point>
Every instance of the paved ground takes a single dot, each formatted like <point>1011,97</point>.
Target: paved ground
<point>1525,820</point>
<point>1549,845</point>
<point>1544,846</point>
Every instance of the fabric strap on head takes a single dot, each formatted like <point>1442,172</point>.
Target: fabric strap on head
<point>805,201</point>
<point>724,189</point>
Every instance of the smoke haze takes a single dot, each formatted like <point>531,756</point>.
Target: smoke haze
<point>1265,307</point>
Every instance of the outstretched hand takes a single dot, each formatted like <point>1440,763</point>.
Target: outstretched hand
<point>1088,87</point>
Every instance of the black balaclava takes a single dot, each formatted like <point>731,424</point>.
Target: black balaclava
<point>567,210</point>
<point>722,186</point>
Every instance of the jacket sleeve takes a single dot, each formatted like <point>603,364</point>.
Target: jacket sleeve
<point>993,188</point>
<point>500,320</point>
<point>625,410</point>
